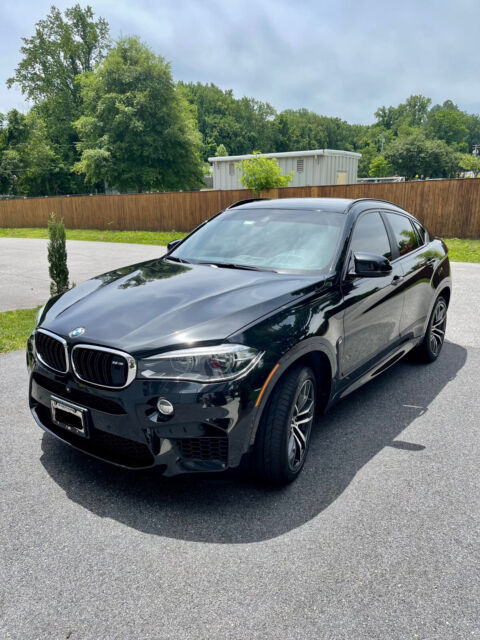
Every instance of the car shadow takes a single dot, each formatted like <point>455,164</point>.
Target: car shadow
<point>227,508</point>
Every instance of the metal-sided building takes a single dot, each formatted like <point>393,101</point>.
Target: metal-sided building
<point>310,168</point>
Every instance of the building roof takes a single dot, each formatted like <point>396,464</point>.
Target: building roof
<point>288,154</point>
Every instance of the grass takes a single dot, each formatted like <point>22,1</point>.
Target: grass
<point>463,250</point>
<point>94,235</point>
<point>15,327</point>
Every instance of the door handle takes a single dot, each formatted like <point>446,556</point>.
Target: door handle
<point>397,279</point>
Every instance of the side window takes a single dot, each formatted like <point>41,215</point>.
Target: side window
<point>370,235</point>
<point>420,231</point>
<point>405,236</point>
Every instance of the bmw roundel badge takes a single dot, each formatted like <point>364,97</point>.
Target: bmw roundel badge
<point>79,331</point>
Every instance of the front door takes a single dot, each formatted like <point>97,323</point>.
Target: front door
<point>373,306</point>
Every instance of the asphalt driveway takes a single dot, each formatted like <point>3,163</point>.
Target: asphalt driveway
<point>378,539</point>
<point>25,282</point>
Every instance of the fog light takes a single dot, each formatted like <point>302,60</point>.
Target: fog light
<point>165,407</point>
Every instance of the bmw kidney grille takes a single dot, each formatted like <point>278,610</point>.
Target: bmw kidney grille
<point>103,367</point>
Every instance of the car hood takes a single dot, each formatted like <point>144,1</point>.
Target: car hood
<point>156,305</point>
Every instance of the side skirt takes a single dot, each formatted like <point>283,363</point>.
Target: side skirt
<point>379,367</point>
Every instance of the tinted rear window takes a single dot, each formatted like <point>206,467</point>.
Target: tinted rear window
<point>421,232</point>
<point>405,237</point>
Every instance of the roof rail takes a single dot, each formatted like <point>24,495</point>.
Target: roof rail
<point>357,200</point>
<point>237,204</point>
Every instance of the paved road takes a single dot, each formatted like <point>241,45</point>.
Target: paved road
<point>377,540</point>
<point>25,282</point>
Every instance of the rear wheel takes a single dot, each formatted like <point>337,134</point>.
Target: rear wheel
<point>283,436</point>
<point>429,349</point>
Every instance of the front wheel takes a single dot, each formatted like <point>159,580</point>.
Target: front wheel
<point>283,436</point>
<point>429,349</point>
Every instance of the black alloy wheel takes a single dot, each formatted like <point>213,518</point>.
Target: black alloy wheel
<point>431,346</point>
<point>283,436</point>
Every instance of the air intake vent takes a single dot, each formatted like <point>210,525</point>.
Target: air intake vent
<point>299,165</point>
<point>103,367</point>
<point>51,350</point>
<point>203,448</point>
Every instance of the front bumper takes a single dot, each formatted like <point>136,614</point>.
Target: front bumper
<point>211,428</point>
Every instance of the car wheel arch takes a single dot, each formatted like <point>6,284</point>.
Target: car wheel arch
<point>445,292</point>
<point>318,358</point>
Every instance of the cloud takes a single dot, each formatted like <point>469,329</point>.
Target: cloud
<point>340,59</point>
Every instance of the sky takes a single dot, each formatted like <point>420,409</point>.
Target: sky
<point>343,58</point>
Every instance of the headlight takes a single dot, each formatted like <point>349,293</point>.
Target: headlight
<point>39,315</point>
<point>201,364</point>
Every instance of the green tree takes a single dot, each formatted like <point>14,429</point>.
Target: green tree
<point>13,133</point>
<point>301,129</point>
<point>28,164</point>
<point>408,156</point>
<point>380,168</point>
<point>369,151</point>
<point>416,109</point>
<point>370,141</point>
<point>62,47</point>
<point>448,124</point>
<point>473,126</point>
<point>138,132</point>
<point>469,162</point>
<point>41,165</point>
<point>241,124</point>
<point>442,160</point>
<point>416,155</point>
<point>386,116</point>
<point>221,151</point>
<point>411,113</point>
<point>260,174</point>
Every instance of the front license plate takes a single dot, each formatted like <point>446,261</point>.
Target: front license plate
<point>69,416</point>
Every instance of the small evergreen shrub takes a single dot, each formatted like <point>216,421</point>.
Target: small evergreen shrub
<point>57,256</point>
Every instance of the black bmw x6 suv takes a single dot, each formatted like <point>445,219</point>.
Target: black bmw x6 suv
<point>225,348</point>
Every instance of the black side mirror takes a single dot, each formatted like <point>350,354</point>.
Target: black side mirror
<point>371,265</point>
<point>171,245</point>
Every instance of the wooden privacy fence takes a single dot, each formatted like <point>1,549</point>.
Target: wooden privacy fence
<point>449,208</point>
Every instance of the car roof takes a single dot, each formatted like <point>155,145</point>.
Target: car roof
<point>339,205</point>
<point>335,205</point>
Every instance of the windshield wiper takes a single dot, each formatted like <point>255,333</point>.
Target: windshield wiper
<point>175,259</point>
<point>232,265</point>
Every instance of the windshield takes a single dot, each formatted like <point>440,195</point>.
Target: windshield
<point>273,239</point>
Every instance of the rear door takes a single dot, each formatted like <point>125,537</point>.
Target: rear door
<point>373,306</point>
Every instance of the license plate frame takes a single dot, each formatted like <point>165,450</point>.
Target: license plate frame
<point>69,416</point>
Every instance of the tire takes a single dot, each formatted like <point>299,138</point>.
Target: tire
<point>430,347</point>
<point>282,441</point>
